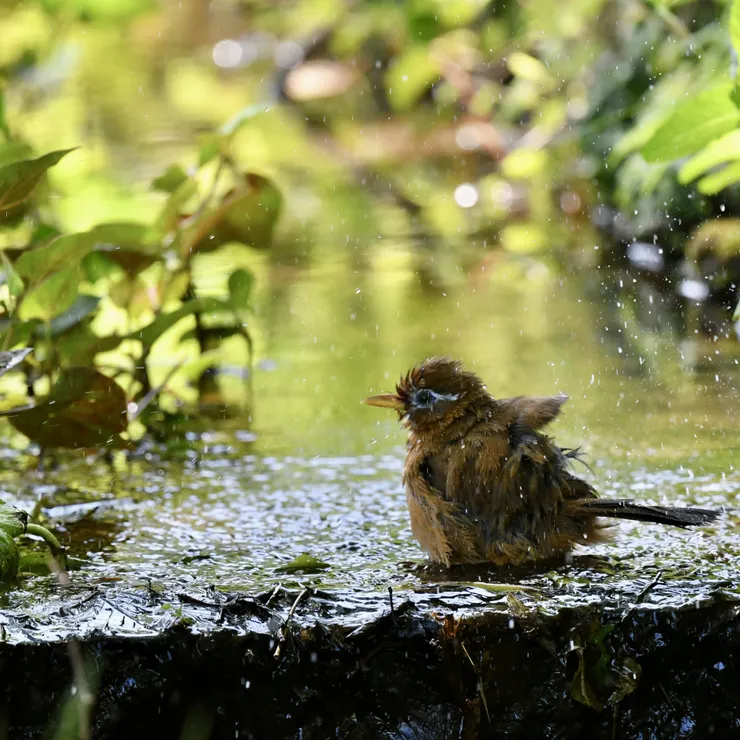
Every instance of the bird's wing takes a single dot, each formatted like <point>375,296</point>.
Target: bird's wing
<point>514,486</point>
<point>534,412</point>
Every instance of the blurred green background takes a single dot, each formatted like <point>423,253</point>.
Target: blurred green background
<point>231,150</point>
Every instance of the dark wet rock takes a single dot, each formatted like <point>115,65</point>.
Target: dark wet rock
<point>563,659</point>
<point>189,629</point>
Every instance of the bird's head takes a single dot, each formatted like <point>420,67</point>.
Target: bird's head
<point>432,394</point>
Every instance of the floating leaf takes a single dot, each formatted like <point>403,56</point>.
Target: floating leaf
<point>240,288</point>
<point>37,264</point>
<point>85,409</point>
<point>170,179</point>
<point>12,521</point>
<point>19,179</point>
<point>306,563</point>
<point>12,358</point>
<point>52,297</point>
<point>9,557</point>
<point>695,122</point>
<point>247,215</point>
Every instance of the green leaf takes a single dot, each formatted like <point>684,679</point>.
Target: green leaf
<point>17,332</point>
<point>216,144</point>
<point>305,563</point>
<point>719,151</point>
<point>9,557</point>
<point>52,297</point>
<point>735,26</point>
<point>11,278</point>
<point>12,521</point>
<point>100,11</point>
<point>19,180</point>
<point>39,263</point>
<point>211,146</point>
<point>712,184</point>
<point>736,315</point>
<point>150,333</point>
<point>131,246</point>
<point>170,216</point>
<point>247,216</point>
<point>414,71</point>
<point>693,124</point>
<point>84,306</point>
<point>80,345</point>
<point>84,410</point>
<point>212,334</point>
<point>241,283</point>
<point>170,179</point>
<point>3,123</point>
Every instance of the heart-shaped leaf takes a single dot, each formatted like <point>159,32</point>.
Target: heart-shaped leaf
<point>247,215</point>
<point>85,409</point>
<point>9,557</point>
<point>12,521</point>
<point>19,179</point>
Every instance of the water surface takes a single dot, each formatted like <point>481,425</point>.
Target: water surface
<point>308,470</point>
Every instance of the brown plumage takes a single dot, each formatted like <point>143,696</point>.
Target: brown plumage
<point>484,484</point>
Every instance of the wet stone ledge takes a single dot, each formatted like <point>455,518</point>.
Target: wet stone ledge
<point>569,653</point>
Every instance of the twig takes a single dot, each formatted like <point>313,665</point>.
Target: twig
<point>154,392</point>
<point>645,591</point>
<point>284,628</point>
<point>481,693</point>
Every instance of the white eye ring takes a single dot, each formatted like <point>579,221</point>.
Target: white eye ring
<point>426,397</point>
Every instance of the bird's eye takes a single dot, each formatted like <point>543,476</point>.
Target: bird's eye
<point>424,397</point>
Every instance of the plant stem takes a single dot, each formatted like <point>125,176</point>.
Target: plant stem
<point>45,535</point>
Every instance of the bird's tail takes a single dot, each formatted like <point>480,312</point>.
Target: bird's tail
<point>628,509</point>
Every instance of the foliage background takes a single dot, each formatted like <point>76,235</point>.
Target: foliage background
<point>212,144</point>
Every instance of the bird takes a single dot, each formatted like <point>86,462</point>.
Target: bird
<point>485,484</point>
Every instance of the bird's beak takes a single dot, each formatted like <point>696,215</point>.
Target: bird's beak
<point>386,401</point>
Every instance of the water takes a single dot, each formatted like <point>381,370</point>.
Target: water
<point>315,472</point>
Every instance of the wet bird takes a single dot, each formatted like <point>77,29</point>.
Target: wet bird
<point>484,484</point>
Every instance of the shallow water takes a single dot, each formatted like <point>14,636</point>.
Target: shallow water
<point>315,472</point>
